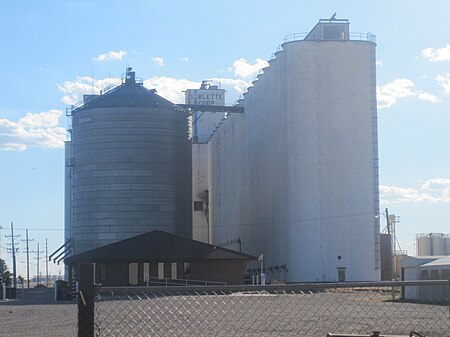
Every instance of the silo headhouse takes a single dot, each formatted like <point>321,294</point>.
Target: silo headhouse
<point>128,167</point>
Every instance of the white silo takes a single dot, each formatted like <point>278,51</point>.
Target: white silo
<point>437,244</point>
<point>447,244</point>
<point>424,245</point>
<point>432,244</point>
<point>311,161</point>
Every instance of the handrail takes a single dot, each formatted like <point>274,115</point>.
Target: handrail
<point>103,91</point>
<point>169,282</point>
<point>353,36</point>
<point>302,287</point>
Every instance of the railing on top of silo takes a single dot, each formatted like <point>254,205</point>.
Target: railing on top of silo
<point>369,37</point>
<point>353,36</point>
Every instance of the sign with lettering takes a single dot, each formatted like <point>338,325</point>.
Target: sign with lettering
<point>205,96</point>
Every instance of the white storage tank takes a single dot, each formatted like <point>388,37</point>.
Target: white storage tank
<point>447,244</point>
<point>437,242</point>
<point>424,244</point>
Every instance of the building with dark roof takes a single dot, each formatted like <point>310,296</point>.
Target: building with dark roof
<point>157,256</point>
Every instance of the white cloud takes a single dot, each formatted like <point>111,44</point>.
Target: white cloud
<point>158,60</point>
<point>444,82</point>
<point>437,54</point>
<point>390,93</point>
<point>184,59</point>
<point>170,88</point>
<point>240,86</point>
<point>73,91</point>
<point>426,96</point>
<point>436,190</point>
<point>112,55</point>
<point>34,129</point>
<point>379,63</point>
<point>243,69</point>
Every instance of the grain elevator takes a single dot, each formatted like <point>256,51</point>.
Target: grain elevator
<point>128,167</point>
<point>295,178</point>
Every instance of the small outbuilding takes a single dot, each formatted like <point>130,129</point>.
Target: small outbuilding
<point>425,268</point>
<point>158,257</point>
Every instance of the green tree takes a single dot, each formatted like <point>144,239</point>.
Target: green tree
<point>5,273</point>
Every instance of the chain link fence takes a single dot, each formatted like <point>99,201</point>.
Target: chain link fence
<point>394,308</point>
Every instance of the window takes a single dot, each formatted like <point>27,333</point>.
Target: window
<point>102,267</point>
<point>187,270</point>
<point>160,270</point>
<point>434,274</point>
<point>173,270</point>
<point>198,206</point>
<point>146,271</point>
<point>424,275</point>
<point>133,274</point>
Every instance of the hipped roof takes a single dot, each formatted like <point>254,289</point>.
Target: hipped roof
<point>157,245</point>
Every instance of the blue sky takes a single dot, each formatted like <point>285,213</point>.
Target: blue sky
<point>54,51</point>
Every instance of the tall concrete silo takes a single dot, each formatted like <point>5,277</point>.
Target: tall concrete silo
<point>128,167</point>
<point>310,160</point>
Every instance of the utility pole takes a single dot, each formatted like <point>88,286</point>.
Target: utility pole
<point>46,259</point>
<point>388,225</point>
<point>28,259</point>
<point>38,252</point>
<point>13,250</point>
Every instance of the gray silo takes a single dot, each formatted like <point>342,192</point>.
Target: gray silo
<point>128,167</point>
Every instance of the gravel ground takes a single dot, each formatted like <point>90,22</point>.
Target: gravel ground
<point>35,314</point>
<point>267,315</point>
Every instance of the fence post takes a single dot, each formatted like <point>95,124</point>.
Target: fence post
<point>86,295</point>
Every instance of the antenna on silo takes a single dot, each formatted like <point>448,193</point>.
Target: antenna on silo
<point>93,81</point>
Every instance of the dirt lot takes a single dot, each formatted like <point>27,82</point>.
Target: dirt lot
<point>267,315</point>
<point>35,313</point>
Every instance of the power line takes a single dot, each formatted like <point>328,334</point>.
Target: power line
<point>28,258</point>
<point>38,252</point>
<point>41,229</point>
<point>12,237</point>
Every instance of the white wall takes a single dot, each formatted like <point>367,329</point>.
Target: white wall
<point>301,184</point>
<point>200,226</point>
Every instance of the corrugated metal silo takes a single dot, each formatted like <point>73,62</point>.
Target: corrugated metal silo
<point>129,167</point>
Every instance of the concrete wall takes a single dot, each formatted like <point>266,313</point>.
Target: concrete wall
<point>200,193</point>
<point>296,178</point>
<point>131,174</point>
